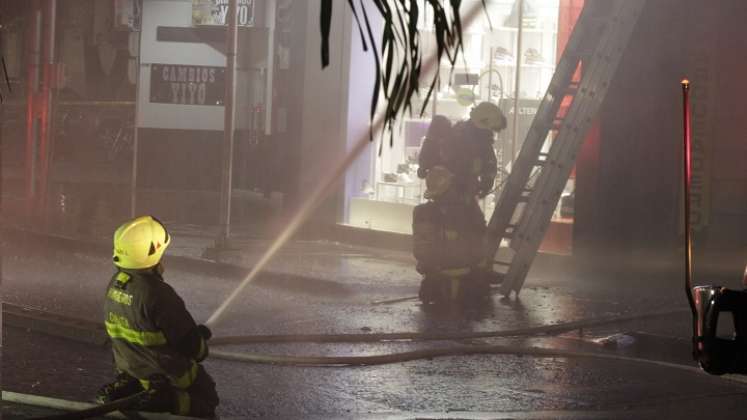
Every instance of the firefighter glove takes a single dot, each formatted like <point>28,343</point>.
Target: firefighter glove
<point>205,332</point>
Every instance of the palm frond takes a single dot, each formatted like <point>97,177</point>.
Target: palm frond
<point>399,66</point>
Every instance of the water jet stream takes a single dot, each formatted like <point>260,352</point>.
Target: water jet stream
<point>323,190</point>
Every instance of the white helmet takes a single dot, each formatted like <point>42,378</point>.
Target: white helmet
<point>487,115</point>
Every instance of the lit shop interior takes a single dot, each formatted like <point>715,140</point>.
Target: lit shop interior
<point>504,62</point>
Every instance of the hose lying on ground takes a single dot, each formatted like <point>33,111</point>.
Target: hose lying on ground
<point>79,411</point>
<point>82,410</point>
<point>338,361</point>
<point>413,336</point>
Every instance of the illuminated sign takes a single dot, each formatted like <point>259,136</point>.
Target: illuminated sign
<point>187,85</point>
<point>214,12</point>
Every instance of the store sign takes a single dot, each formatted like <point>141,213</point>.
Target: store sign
<point>214,12</point>
<point>527,110</point>
<point>703,62</point>
<point>187,85</point>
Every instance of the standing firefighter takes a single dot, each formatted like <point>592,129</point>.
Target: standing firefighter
<point>156,343</point>
<point>473,158</point>
<point>459,165</point>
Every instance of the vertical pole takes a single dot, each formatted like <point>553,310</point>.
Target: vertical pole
<point>135,134</point>
<point>515,137</point>
<point>32,86</point>
<point>490,76</point>
<point>47,109</point>
<point>686,171</point>
<point>228,120</point>
<point>270,23</point>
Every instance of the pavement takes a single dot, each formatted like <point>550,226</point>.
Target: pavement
<point>331,288</point>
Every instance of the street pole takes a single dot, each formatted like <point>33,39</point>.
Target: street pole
<point>687,178</point>
<point>135,137</point>
<point>515,137</point>
<point>32,90</point>
<point>47,112</point>
<point>228,124</point>
<point>269,79</point>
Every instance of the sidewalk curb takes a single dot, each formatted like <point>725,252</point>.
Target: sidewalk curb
<point>269,278</point>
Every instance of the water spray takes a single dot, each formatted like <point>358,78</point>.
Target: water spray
<point>325,187</point>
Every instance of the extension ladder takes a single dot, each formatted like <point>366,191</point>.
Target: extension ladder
<point>541,171</point>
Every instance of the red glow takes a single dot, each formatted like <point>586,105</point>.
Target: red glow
<point>688,154</point>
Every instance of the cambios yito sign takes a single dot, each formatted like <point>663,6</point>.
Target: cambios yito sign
<point>187,84</point>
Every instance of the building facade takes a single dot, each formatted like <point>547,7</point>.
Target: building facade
<point>155,70</point>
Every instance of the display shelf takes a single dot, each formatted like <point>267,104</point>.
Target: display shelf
<point>524,30</point>
<point>526,66</point>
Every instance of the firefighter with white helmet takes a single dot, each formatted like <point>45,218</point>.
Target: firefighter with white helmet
<point>466,149</point>
<point>156,343</point>
<point>476,163</point>
<point>459,165</point>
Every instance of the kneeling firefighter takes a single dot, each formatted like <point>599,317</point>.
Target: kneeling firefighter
<point>448,243</point>
<point>156,343</point>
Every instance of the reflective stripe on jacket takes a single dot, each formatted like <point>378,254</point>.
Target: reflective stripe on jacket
<point>148,323</point>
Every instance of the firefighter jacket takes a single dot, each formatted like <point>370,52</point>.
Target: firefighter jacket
<point>467,152</point>
<point>471,158</point>
<point>448,237</point>
<point>150,328</point>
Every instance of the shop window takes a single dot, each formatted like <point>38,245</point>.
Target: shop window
<point>486,72</point>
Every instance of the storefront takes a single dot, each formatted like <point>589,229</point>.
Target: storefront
<point>505,63</point>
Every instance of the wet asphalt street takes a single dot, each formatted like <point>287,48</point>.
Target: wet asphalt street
<point>328,288</point>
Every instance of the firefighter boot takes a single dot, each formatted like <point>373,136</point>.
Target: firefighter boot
<point>429,293</point>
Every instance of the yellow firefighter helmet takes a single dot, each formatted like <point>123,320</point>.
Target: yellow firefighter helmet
<point>140,243</point>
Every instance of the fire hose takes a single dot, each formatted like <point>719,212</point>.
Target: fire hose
<point>352,361</point>
<point>98,410</point>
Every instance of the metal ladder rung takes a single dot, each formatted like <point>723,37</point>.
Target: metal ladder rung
<point>508,233</point>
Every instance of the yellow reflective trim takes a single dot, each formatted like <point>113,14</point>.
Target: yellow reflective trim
<point>123,277</point>
<point>203,350</point>
<point>186,380</point>
<point>455,272</point>
<point>182,382</point>
<point>143,338</point>
<point>119,296</point>
<point>183,403</point>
